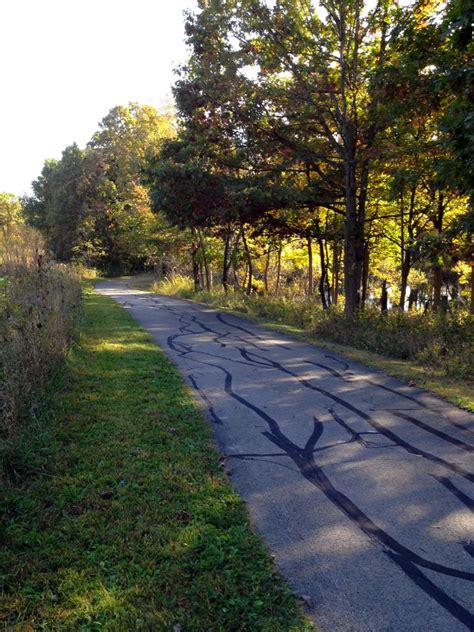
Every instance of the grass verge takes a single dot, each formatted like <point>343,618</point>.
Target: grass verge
<point>117,516</point>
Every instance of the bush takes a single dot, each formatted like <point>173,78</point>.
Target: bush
<point>86,273</point>
<point>38,313</point>
<point>442,341</point>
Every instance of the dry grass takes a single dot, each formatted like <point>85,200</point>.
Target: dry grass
<point>38,312</point>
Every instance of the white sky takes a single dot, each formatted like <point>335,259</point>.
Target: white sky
<point>66,63</point>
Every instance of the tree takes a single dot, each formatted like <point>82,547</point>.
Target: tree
<point>91,204</point>
<point>428,173</point>
<point>459,117</point>
<point>456,74</point>
<point>10,210</point>
<point>279,69</point>
<point>62,198</point>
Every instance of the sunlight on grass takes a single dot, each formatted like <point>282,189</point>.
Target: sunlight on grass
<point>117,516</point>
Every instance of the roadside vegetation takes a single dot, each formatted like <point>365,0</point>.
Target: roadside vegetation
<point>431,350</point>
<point>117,514</point>
<point>39,309</point>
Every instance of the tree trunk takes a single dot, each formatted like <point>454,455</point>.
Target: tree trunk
<point>309,242</point>
<point>335,273</point>
<point>384,297</point>
<point>249,263</point>
<point>195,266</point>
<point>324,271</point>
<point>278,277</point>
<point>406,250</point>
<point>365,274</point>
<point>232,260</point>
<point>438,270</point>
<point>267,267</point>
<point>201,274</point>
<point>472,285</point>
<point>406,267</point>
<point>353,241</point>
<point>204,260</point>
<point>226,265</point>
<point>403,253</point>
<point>328,270</point>
<point>412,299</point>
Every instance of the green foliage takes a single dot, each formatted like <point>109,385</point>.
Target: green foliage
<point>347,126</point>
<point>321,125</point>
<point>118,515</point>
<point>457,77</point>
<point>91,205</point>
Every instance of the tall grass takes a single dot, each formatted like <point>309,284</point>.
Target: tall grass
<point>444,342</point>
<point>297,311</point>
<point>39,303</point>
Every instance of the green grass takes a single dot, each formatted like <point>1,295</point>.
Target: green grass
<point>116,515</point>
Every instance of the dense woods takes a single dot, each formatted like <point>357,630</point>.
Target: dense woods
<point>340,128</point>
<point>319,154</point>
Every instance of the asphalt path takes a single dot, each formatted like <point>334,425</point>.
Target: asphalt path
<point>360,484</point>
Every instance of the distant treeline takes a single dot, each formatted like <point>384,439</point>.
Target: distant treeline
<point>91,204</point>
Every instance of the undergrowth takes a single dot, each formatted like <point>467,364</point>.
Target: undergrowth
<point>39,307</point>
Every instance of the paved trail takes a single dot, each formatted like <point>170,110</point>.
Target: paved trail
<point>360,484</point>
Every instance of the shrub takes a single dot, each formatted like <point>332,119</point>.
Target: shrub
<point>442,341</point>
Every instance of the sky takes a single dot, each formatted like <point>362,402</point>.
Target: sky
<point>66,63</point>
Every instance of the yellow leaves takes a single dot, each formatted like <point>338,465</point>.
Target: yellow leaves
<point>424,11</point>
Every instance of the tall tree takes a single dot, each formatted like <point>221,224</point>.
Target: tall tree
<point>91,204</point>
<point>306,79</point>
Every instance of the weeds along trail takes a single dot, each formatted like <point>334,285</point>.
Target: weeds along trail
<point>39,306</point>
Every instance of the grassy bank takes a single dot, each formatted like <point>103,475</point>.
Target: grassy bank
<point>117,515</point>
<point>431,352</point>
<point>39,308</point>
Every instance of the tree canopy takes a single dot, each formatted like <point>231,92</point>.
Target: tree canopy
<point>91,204</point>
<point>329,144</point>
